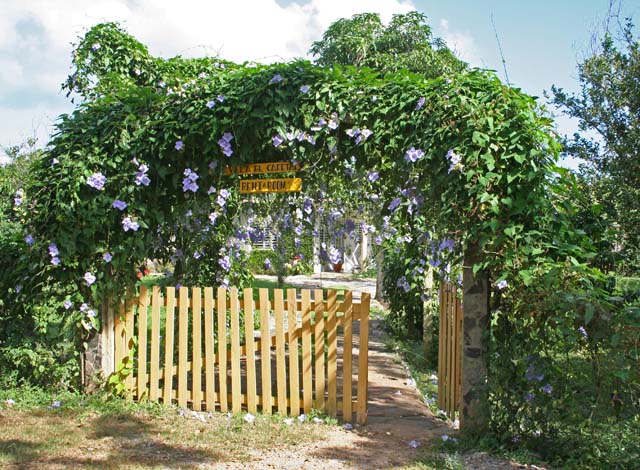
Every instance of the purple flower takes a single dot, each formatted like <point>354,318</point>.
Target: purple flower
<point>29,240</point>
<point>420,103</point>
<point>220,98</point>
<point>179,145</point>
<point>583,332</point>
<point>277,78</point>
<point>95,47</point>
<point>277,140</point>
<point>197,255</point>
<point>141,175</point>
<point>333,122</point>
<point>225,263</point>
<point>529,396</point>
<point>307,207</point>
<point>91,313</point>
<point>89,278</point>
<point>55,260</point>
<point>530,374</point>
<point>394,204</point>
<point>374,98</point>
<point>67,304</point>
<point>502,284</point>
<point>267,264</point>
<point>402,282</point>
<point>373,176</point>
<point>128,224</point>
<point>547,389</point>
<point>97,181</point>
<point>213,165</point>
<point>17,200</point>
<point>83,307</point>
<point>413,155</point>
<point>120,205</point>
<point>447,244</point>
<point>189,181</point>
<point>353,132</point>
<point>107,257</point>
<point>211,104</point>
<point>304,89</point>
<point>335,256</point>
<point>53,250</point>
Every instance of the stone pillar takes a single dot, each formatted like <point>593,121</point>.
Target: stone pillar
<point>99,358</point>
<point>474,416</point>
<point>379,274</point>
<point>364,251</point>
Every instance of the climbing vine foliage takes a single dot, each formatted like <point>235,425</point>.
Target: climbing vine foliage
<point>137,171</point>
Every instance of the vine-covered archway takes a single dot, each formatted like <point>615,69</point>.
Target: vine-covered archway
<point>456,166</point>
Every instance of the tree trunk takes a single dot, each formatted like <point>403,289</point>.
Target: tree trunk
<point>474,416</point>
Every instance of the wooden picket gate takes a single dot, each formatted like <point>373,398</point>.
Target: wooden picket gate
<point>449,359</point>
<point>296,350</point>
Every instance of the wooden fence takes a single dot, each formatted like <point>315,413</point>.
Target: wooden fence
<point>299,357</point>
<point>449,360</point>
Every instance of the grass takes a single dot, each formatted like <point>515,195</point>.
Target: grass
<point>100,432</point>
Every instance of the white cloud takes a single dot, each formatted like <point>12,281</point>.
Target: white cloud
<point>461,43</point>
<point>35,38</point>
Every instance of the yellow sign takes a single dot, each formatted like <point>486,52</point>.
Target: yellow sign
<point>275,185</point>
<point>260,168</point>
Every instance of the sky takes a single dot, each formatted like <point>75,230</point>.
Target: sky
<point>541,41</point>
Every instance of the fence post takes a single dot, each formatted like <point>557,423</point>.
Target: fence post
<point>474,414</point>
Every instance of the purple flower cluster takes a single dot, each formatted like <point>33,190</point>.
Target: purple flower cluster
<point>29,240</point>
<point>402,282</point>
<point>225,263</point>
<point>120,205</point>
<point>455,161</point>
<point>67,304</point>
<point>128,224</point>
<point>189,181</point>
<point>267,264</point>
<point>393,205</point>
<point>213,217</point>
<point>223,195</point>
<point>413,155</point>
<point>373,176</point>
<point>142,179</point>
<point>107,257</point>
<point>97,181</point>
<point>53,253</point>
<point>225,143</point>
<point>502,284</point>
<point>304,89</point>
<point>358,134</point>
<point>179,145</point>
<point>335,256</point>
<point>420,103</point>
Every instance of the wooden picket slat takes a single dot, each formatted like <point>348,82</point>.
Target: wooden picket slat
<point>441,337</point>
<point>347,413</point>
<point>168,345</point>
<point>294,378</point>
<point>265,352</point>
<point>307,372</point>
<point>196,348</point>
<point>281,373</point>
<point>332,354</point>
<point>222,348</point>
<point>236,391</point>
<point>129,333</point>
<point>154,365</point>
<point>252,404</point>
<point>362,406</point>
<point>183,338</point>
<point>318,351</point>
<point>143,304</point>
<point>209,351</point>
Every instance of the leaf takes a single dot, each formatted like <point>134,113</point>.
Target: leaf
<point>589,312</point>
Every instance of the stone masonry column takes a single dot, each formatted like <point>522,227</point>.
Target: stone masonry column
<point>474,416</point>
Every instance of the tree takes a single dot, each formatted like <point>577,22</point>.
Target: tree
<point>406,43</point>
<point>608,110</point>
